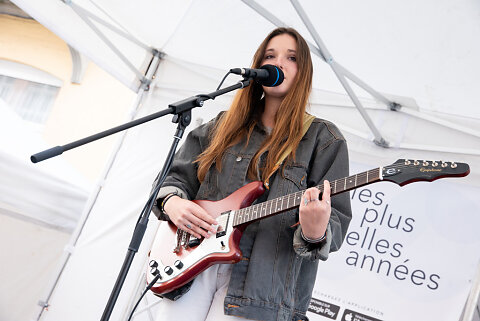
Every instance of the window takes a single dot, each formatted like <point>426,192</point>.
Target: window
<point>28,91</point>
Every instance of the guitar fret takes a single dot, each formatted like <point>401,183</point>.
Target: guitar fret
<point>350,184</point>
<point>290,201</point>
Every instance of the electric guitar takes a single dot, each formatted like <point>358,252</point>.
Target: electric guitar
<point>177,257</point>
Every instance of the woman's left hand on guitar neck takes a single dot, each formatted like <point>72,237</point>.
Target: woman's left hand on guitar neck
<point>315,213</point>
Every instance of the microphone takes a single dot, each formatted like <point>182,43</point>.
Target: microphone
<point>267,75</point>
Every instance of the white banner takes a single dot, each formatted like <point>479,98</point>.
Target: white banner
<point>410,254</point>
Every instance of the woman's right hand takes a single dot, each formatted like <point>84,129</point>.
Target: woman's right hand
<point>189,217</point>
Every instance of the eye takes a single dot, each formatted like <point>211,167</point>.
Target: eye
<point>269,57</point>
<point>292,58</point>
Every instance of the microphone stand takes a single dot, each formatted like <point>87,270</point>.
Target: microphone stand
<point>182,116</point>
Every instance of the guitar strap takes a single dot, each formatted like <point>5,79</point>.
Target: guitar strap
<point>307,121</point>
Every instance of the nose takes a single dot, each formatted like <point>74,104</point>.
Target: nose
<point>279,62</point>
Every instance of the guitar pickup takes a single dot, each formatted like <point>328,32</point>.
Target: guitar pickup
<point>220,231</point>
<point>193,242</point>
<point>222,227</point>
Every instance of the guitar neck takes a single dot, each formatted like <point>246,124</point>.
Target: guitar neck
<point>291,201</point>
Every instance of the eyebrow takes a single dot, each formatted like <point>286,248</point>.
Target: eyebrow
<point>289,50</point>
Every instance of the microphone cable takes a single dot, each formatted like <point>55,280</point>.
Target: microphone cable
<point>149,286</point>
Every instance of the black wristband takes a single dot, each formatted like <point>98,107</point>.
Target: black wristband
<point>165,199</point>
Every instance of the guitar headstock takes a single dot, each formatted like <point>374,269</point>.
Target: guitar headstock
<point>405,171</point>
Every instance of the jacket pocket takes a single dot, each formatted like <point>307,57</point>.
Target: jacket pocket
<point>296,174</point>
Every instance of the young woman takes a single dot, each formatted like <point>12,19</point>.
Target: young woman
<point>275,278</point>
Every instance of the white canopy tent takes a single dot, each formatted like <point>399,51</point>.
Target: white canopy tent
<point>424,53</point>
<point>55,192</point>
<point>39,208</point>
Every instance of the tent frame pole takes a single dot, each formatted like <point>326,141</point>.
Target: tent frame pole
<point>473,297</point>
<point>87,17</point>
<point>70,247</point>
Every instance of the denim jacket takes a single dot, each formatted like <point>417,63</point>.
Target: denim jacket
<point>275,278</point>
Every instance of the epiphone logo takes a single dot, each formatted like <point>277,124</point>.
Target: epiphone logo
<point>430,169</point>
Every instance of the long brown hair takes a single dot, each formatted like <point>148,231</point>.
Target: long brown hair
<point>247,107</point>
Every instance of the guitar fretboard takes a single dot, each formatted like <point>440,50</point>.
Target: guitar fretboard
<point>290,201</point>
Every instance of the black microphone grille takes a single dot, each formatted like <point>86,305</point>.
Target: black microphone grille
<point>275,76</point>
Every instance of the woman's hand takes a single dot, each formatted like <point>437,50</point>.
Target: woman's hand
<point>189,217</point>
<point>315,213</point>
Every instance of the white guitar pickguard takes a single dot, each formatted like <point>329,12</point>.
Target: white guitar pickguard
<point>213,244</point>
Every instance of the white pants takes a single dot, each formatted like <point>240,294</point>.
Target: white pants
<point>204,301</point>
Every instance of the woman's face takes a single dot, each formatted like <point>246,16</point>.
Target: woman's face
<point>281,51</point>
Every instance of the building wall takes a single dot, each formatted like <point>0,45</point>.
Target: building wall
<point>98,103</point>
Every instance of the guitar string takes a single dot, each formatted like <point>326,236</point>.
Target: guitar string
<point>245,212</point>
<point>292,197</point>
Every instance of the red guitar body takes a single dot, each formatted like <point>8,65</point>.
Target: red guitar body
<point>186,263</point>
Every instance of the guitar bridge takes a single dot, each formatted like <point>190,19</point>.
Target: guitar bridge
<point>185,240</point>
<point>179,241</point>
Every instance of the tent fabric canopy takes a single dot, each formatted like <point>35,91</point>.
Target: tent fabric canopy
<point>426,61</point>
<point>52,194</point>
<point>40,205</point>
<point>440,58</point>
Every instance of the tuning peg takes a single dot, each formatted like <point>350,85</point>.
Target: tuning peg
<point>407,162</point>
<point>453,165</point>
<point>444,164</point>
<point>425,163</point>
<point>416,163</point>
<point>435,164</point>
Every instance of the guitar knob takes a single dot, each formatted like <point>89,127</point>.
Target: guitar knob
<point>178,264</point>
<point>154,271</point>
<point>168,270</point>
<point>153,264</point>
